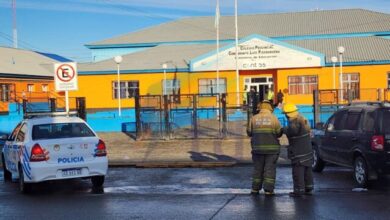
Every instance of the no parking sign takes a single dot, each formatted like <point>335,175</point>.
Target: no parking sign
<point>65,76</point>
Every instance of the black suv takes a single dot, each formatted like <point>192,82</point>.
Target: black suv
<point>356,136</point>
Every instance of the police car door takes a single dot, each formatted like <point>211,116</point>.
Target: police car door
<point>8,149</point>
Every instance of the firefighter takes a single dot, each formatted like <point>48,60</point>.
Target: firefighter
<point>299,150</point>
<point>264,129</point>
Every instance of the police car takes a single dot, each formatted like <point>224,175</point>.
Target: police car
<point>53,148</point>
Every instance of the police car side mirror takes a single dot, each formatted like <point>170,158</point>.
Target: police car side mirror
<point>3,137</point>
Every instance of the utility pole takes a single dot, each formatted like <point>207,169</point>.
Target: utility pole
<point>15,30</point>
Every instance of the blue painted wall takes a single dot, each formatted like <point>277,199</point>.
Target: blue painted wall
<point>8,122</point>
<point>109,121</point>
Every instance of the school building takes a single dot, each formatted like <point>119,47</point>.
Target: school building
<point>288,52</point>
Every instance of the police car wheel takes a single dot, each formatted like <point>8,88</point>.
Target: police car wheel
<point>23,186</point>
<point>97,181</point>
<point>7,174</point>
<point>361,172</point>
<point>318,164</point>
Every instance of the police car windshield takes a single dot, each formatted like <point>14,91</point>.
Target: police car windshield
<point>61,130</point>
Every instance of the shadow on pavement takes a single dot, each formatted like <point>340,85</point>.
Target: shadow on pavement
<point>210,157</point>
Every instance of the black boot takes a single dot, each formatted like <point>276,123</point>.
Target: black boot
<point>295,194</point>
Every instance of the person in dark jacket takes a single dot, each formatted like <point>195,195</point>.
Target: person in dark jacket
<point>279,98</point>
<point>264,129</point>
<point>299,150</point>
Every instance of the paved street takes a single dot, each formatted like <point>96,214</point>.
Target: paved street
<point>194,193</point>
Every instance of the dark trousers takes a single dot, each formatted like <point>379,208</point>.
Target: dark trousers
<point>264,171</point>
<point>302,177</point>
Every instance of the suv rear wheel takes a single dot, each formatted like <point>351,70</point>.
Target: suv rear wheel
<point>361,172</point>
<point>318,164</point>
<point>7,174</point>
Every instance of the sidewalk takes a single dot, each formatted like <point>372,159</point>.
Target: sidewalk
<point>124,151</point>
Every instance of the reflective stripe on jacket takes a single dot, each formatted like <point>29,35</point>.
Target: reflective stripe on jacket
<point>265,129</point>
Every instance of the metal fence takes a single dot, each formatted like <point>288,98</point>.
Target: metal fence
<point>326,102</point>
<point>46,104</point>
<point>188,116</point>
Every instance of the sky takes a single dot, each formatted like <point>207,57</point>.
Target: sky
<point>64,26</point>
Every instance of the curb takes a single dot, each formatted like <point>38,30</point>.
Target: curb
<point>184,164</point>
<point>172,164</point>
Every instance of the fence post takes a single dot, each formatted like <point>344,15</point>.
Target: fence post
<point>224,116</point>
<point>24,106</point>
<point>379,98</point>
<point>53,105</point>
<point>166,117</point>
<point>195,115</point>
<point>138,132</point>
<point>316,107</point>
<point>81,108</point>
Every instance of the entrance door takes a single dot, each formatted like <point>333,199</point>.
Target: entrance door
<point>259,84</point>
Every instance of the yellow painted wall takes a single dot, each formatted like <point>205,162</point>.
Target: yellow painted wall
<point>98,88</point>
<point>371,77</point>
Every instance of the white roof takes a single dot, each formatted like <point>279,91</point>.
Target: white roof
<point>54,120</point>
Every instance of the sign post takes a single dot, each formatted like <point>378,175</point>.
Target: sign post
<point>65,78</point>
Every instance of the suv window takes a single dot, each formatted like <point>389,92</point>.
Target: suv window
<point>385,127</point>
<point>336,121</point>
<point>340,120</point>
<point>352,122</point>
<point>369,121</point>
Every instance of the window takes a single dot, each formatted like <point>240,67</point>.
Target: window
<point>385,128</point>
<point>129,89</point>
<point>61,130</point>
<point>340,120</point>
<point>30,87</point>
<point>259,80</point>
<point>172,86</point>
<point>369,121</point>
<point>302,84</point>
<point>336,122</point>
<point>12,136</point>
<point>209,86</point>
<point>352,122</point>
<point>351,82</point>
<point>388,80</point>
<point>22,133</point>
<point>5,92</point>
<point>44,87</point>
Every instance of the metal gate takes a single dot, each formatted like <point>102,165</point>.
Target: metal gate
<point>149,110</point>
<point>182,118</point>
<point>188,116</point>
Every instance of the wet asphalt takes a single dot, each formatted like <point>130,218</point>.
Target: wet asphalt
<point>194,193</point>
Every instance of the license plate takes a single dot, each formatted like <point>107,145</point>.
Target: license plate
<point>71,172</point>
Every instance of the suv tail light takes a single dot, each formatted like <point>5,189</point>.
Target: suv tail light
<point>101,149</point>
<point>377,143</point>
<point>37,153</point>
